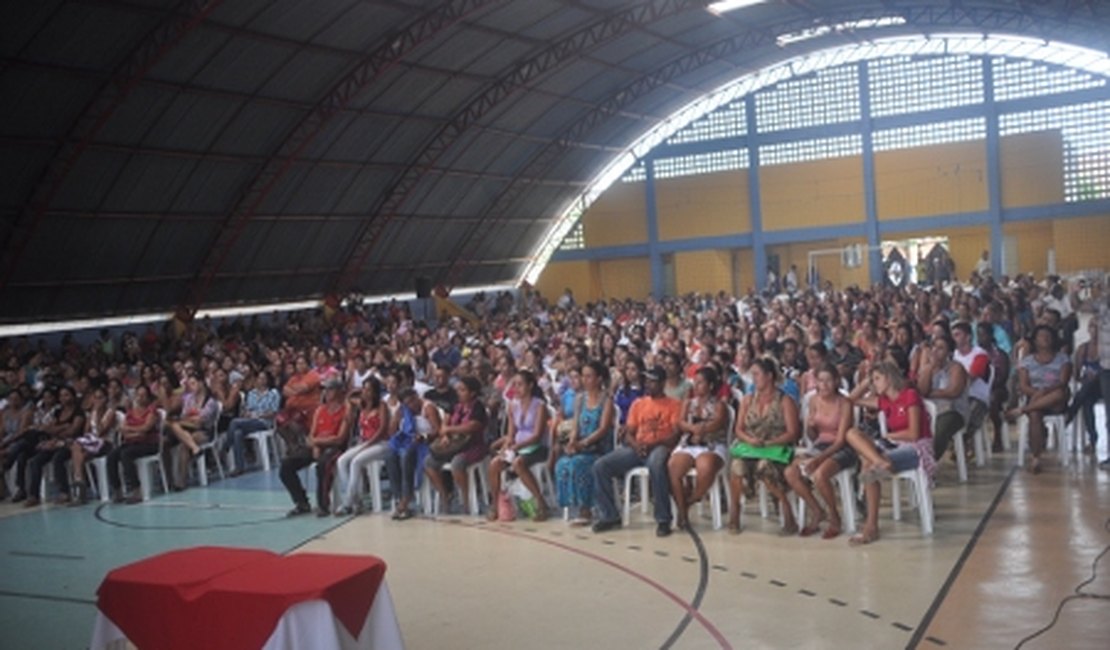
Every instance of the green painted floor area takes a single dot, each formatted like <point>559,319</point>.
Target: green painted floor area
<point>53,559</point>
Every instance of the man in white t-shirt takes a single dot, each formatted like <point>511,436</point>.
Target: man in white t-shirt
<point>977,363</point>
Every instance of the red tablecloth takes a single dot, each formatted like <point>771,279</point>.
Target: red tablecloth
<point>215,598</point>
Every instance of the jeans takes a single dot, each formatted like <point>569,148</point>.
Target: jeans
<point>616,464</point>
<point>236,438</point>
<point>401,468</point>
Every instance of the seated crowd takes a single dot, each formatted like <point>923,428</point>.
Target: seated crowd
<point>777,394</point>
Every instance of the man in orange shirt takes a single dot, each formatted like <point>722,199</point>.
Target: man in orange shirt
<point>649,434</point>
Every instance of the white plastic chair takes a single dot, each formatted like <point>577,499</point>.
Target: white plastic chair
<point>1055,432</point>
<point>266,448</point>
<point>99,465</point>
<point>374,478</point>
<point>922,495</point>
<point>477,473</point>
<point>200,462</point>
<point>146,465</point>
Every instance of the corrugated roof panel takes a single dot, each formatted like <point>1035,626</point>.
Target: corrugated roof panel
<point>147,184</point>
<point>331,131</point>
<point>89,180</point>
<point>452,195</point>
<point>560,23</point>
<point>97,37</point>
<point>459,49</point>
<point>480,152</point>
<point>513,158</point>
<point>192,122</point>
<point>21,167</point>
<point>362,26</point>
<point>257,129</point>
<point>365,192</point>
<point>138,113</point>
<point>239,13</point>
<point>521,111</point>
<point>20,21</point>
<point>298,20</point>
<point>498,60</point>
<point>213,186</point>
<point>359,137</point>
<point>244,65</point>
<point>516,16</point>
<point>38,104</point>
<point>83,300</point>
<point>280,193</point>
<point>320,190</point>
<point>431,95</point>
<point>181,63</point>
<point>307,77</point>
<point>177,247</point>
<point>107,247</point>
<point>399,144</point>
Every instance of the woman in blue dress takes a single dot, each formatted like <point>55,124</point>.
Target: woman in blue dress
<point>591,437</point>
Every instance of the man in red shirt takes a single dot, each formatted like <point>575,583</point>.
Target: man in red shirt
<point>649,435</point>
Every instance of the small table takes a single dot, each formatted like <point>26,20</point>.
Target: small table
<point>213,597</point>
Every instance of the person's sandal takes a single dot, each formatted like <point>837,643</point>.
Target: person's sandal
<point>541,514</point>
<point>862,539</point>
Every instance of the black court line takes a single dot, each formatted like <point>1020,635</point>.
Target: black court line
<point>342,522</point>
<point>57,599</point>
<point>926,620</point>
<point>49,556</point>
<point>703,582</point>
<point>102,518</point>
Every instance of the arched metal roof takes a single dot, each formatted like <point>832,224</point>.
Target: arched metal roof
<point>168,153</point>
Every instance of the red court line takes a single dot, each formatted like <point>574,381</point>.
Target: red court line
<point>709,627</point>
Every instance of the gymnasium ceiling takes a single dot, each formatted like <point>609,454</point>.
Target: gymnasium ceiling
<point>159,154</point>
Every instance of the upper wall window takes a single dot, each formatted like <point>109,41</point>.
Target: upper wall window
<point>1017,78</point>
<point>803,150</point>
<point>1086,132</point>
<point>909,85</point>
<point>728,121</point>
<point>920,135</point>
<point>824,97</point>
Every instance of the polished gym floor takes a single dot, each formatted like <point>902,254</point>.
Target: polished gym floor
<point>1010,549</point>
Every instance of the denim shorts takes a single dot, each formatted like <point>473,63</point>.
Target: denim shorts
<point>903,457</point>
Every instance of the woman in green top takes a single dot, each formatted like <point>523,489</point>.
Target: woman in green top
<point>766,430</point>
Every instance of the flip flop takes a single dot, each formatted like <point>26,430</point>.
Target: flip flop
<point>861,539</point>
<point>580,522</point>
<point>401,516</point>
<point>809,531</point>
<point>831,532</point>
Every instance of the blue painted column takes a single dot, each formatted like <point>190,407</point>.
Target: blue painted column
<point>755,202</point>
<point>655,258</point>
<point>994,171</point>
<point>870,200</point>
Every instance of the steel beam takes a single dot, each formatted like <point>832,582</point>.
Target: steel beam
<point>920,18</point>
<point>425,28</point>
<point>555,56</point>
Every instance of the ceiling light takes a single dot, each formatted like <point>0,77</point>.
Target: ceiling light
<point>730,5</point>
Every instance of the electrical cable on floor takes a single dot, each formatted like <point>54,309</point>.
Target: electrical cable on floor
<point>1078,595</point>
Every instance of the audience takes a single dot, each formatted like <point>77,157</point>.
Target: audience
<point>433,397</point>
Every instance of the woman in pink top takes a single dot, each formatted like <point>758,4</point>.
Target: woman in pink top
<point>907,443</point>
<point>829,416</point>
